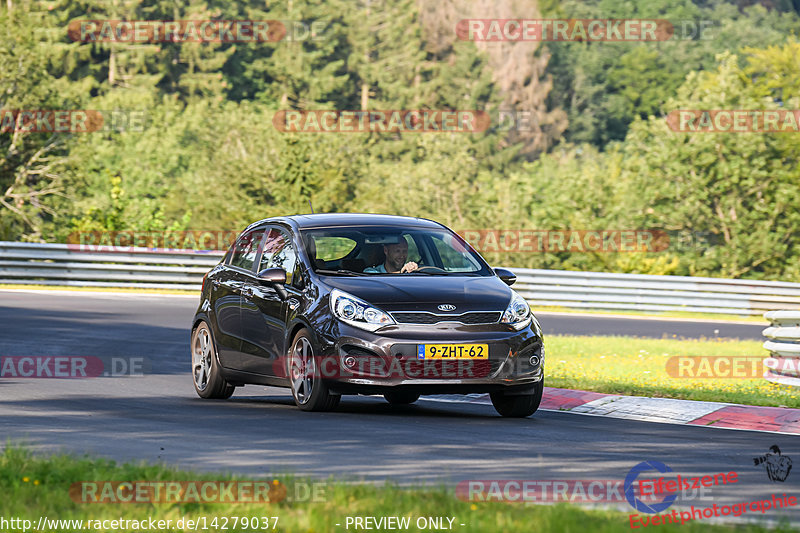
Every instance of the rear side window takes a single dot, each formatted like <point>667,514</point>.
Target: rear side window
<point>279,253</point>
<point>246,249</point>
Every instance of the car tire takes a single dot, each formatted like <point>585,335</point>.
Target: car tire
<point>401,397</point>
<point>303,376</point>
<point>206,374</point>
<point>520,405</point>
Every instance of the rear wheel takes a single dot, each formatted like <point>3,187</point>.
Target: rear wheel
<point>518,405</point>
<point>208,380</point>
<point>309,390</point>
<point>401,397</point>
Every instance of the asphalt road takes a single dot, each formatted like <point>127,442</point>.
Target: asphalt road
<point>259,432</point>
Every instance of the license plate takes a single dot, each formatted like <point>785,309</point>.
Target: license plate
<point>452,351</point>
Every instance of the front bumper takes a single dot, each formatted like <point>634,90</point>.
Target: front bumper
<point>359,361</point>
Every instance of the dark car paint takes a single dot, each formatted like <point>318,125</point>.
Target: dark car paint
<point>423,292</point>
<point>253,349</point>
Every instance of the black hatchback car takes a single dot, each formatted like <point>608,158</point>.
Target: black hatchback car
<point>333,304</point>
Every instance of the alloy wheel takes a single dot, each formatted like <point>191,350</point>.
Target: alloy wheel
<point>202,352</point>
<point>302,370</point>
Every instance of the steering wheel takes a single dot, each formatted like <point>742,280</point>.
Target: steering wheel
<point>429,267</point>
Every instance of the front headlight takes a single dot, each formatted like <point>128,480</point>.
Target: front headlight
<point>518,313</point>
<point>357,312</point>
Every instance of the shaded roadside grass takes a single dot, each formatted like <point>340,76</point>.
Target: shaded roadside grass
<point>37,486</point>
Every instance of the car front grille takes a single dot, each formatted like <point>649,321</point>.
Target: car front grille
<point>474,317</point>
<point>458,369</point>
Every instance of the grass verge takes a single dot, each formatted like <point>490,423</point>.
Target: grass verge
<point>39,486</point>
<point>638,367</point>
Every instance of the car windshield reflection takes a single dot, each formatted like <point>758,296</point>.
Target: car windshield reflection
<point>377,250</point>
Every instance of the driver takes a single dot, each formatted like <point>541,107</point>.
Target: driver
<point>396,256</point>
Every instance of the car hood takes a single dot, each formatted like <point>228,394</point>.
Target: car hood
<point>425,293</point>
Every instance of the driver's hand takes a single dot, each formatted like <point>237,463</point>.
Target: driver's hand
<point>411,266</point>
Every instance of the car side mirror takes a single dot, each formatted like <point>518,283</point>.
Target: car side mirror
<point>507,276</point>
<point>275,277</point>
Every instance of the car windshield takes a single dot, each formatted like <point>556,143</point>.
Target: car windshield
<point>383,250</point>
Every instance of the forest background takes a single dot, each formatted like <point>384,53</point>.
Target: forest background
<point>595,151</point>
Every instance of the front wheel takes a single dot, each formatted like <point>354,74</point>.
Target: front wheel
<point>208,380</point>
<point>309,390</point>
<point>519,405</point>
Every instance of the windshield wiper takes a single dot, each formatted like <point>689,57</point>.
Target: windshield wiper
<point>341,271</point>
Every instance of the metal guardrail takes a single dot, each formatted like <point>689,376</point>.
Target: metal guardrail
<point>600,290</point>
<point>61,264</point>
<point>784,346</point>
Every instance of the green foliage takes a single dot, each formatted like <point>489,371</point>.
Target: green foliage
<point>30,163</point>
<point>210,158</point>
<point>738,190</point>
<point>605,86</point>
<point>740,187</point>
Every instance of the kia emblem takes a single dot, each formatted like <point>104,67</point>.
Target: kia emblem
<point>446,307</point>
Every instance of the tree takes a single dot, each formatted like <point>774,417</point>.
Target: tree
<point>605,86</point>
<point>741,188</point>
<point>30,163</point>
<point>518,69</point>
<point>303,69</point>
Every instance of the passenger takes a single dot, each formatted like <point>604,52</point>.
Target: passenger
<point>396,256</point>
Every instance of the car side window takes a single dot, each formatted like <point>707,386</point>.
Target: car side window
<point>272,243</point>
<point>279,253</point>
<point>453,255</point>
<point>413,250</point>
<point>246,249</point>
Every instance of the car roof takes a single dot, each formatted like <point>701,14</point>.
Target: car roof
<point>323,220</point>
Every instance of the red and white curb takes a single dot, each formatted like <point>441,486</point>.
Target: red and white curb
<point>663,410</point>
